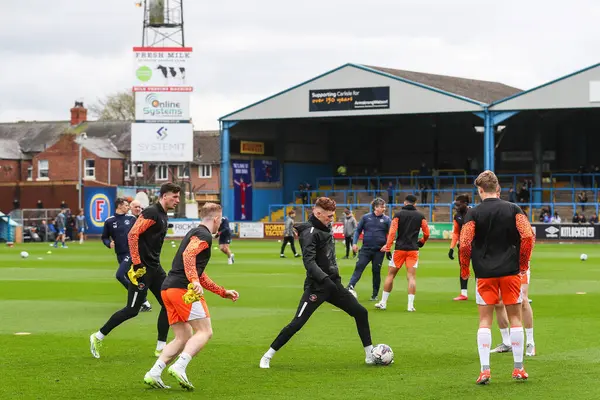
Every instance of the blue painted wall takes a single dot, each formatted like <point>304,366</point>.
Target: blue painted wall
<point>261,200</point>
<point>229,212</point>
<point>296,173</point>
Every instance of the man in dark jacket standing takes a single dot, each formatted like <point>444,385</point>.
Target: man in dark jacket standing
<point>375,226</point>
<point>323,282</point>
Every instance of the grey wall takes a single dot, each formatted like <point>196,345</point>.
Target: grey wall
<point>572,92</point>
<point>405,98</point>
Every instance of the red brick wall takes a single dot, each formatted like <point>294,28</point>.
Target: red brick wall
<point>50,194</point>
<point>63,163</point>
<point>24,166</point>
<point>9,170</point>
<point>117,172</point>
<point>62,160</point>
<point>101,172</point>
<point>206,184</point>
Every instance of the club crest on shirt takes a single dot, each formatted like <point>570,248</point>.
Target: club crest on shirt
<point>141,286</point>
<point>127,222</point>
<point>312,297</point>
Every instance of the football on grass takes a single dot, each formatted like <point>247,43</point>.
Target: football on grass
<point>383,354</point>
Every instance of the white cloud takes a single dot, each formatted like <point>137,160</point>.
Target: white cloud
<point>245,51</point>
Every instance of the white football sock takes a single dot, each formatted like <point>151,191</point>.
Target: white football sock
<point>517,338</point>
<point>384,297</point>
<point>529,333</point>
<point>157,369</point>
<point>411,301</point>
<point>463,292</point>
<point>484,342</point>
<point>99,335</point>
<point>369,350</point>
<point>183,361</point>
<point>160,345</point>
<point>505,336</point>
<point>270,353</point>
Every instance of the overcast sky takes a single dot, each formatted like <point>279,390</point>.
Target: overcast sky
<point>53,52</point>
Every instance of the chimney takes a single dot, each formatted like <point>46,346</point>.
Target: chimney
<point>78,113</point>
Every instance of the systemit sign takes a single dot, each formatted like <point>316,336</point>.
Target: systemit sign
<point>566,232</point>
<point>162,142</point>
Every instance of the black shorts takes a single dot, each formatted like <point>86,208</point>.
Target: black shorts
<point>224,239</point>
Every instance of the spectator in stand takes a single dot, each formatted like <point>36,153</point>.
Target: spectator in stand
<point>390,192</point>
<point>582,199</point>
<point>423,194</point>
<point>594,219</point>
<point>42,230</point>
<point>556,219</point>
<point>308,188</point>
<point>512,195</point>
<point>542,214</point>
<point>435,173</point>
<point>474,166</point>
<point>582,178</point>
<point>423,173</point>
<point>524,193</point>
<point>581,219</point>
<point>547,218</point>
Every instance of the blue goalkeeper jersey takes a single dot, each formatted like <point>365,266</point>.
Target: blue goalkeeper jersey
<point>116,228</point>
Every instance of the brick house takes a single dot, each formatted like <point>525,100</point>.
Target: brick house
<point>39,161</point>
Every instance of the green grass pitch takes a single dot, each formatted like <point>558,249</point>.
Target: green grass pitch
<point>61,298</point>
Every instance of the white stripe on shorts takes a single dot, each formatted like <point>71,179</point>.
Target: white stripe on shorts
<point>197,311</point>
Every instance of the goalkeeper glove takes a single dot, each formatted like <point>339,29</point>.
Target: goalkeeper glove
<point>451,254</point>
<point>135,273</point>
<point>191,296</point>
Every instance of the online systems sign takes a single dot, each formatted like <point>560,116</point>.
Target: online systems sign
<point>162,106</point>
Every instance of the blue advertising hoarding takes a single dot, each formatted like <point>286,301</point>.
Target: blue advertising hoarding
<point>99,204</point>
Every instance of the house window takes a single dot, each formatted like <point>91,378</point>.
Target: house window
<point>90,168</point>
<point>162,174</point>
<point>205,171</point>
<point>43,169</point>
<point>183,171</point>
<point>30,172</point>
<point>132,169</point>
<point>139,168</point>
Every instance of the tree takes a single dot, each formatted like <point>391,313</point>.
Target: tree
<point>119,106</point>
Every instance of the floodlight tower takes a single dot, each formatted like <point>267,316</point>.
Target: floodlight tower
<point>163,23</point>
